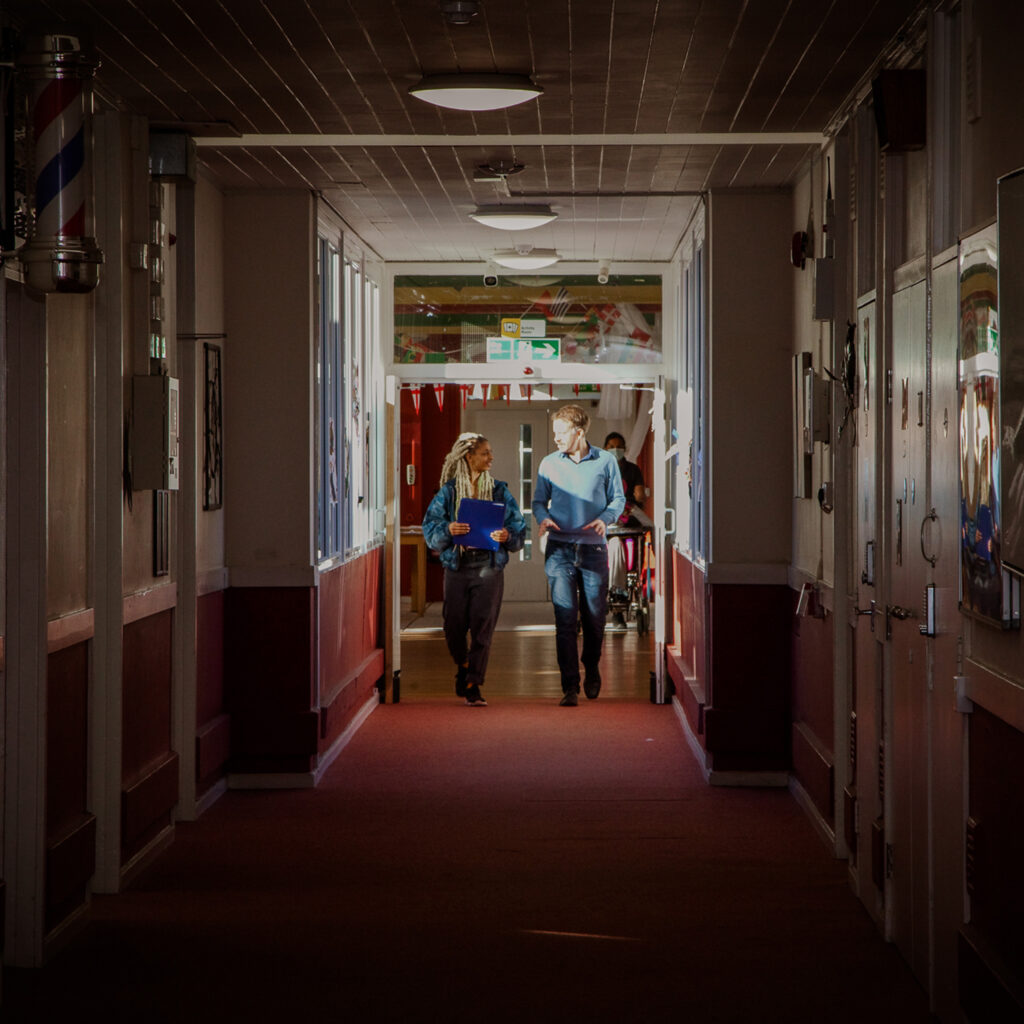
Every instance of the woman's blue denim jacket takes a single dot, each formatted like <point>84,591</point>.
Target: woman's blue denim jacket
<point>441,512</point>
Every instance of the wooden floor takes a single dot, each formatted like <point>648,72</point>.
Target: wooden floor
<point>522,665</point>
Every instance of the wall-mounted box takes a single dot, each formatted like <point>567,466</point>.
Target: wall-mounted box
<point>154,447</point>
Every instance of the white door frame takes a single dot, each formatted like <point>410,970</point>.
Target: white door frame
<point>647,377</point>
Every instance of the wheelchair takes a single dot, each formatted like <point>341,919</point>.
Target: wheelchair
<point>635,605</point>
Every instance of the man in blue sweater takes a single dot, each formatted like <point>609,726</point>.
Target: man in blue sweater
<point>578,494</point>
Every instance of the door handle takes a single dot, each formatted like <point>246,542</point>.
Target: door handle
<point>896,611</point>
<point>868,611</point>
<point>932,516</point>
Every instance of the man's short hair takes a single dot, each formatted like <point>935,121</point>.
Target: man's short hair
<point>575,416</point>
<point>615,436</point>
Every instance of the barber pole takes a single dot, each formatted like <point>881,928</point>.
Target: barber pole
<point>61,255</point>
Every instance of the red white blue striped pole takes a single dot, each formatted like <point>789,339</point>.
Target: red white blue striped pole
<point>61,255</point>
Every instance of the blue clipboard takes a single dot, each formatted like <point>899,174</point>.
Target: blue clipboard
<point>483,517</point>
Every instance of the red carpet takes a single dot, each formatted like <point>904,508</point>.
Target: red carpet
<point>520,862</point>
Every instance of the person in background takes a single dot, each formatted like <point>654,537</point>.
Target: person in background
<point>578,494</point>
<point>633,515</point>
<point>474,578</point>
<point>632,475</point>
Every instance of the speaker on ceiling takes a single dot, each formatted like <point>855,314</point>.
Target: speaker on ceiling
<point>899,99</point>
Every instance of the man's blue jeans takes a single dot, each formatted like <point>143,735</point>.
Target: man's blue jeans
<point>578,577</point>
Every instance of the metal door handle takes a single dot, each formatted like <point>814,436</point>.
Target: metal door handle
<point>933,516</point>
<point>868,611</point>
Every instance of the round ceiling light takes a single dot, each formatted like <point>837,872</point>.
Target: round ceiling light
<point>526,258</point>
<point>513,218</point>
<point>475,91</point>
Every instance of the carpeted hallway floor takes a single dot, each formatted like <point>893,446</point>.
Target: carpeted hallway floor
<point>519,862</point>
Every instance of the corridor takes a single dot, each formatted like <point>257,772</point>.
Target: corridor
<point>519,862</point>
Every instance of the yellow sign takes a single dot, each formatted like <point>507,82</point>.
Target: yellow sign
<point>511,327</point>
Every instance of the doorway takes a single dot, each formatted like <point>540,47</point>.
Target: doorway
<point>519,431</point>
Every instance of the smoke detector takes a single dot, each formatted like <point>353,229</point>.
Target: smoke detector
<point>459,12</point>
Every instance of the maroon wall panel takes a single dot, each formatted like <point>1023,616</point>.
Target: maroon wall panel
<point>747,721</point>
<point>147,803</point>
<point>146,712</point>
<point>690,614</point>
<point>687,661</point>
<point>995,878</point>
<point>351,659</point>
<point>212,724</point>
<point>269,678</point>
<point>209,657</point>
<point>67,737</point>
<point>812,653</point>
<point>813,733</point>
<point>70,827</point>
<point>146,723</point>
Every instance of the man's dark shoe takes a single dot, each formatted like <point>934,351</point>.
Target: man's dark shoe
<point>474,698</point>
<point>570,700</point>
<point>592,684</point>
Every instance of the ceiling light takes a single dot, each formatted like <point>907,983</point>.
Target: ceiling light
<point>513,218</point>
<point>481,91</point>
<point>525,257</point>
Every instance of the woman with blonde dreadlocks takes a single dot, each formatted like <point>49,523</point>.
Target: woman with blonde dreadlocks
<point>473,577</point>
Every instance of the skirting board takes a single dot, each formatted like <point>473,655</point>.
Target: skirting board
<point>770,780</point>
<point>70,927</point>
<point>820,823</point>
<point>142,859</point>
<point>305,780</point>
<point>211,796</point>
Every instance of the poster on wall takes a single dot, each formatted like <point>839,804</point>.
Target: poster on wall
<point>981,584</point>
<point>1010,190</point>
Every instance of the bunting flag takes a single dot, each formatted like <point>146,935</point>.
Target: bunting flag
<point>439,395</point>
<point>507,389</point>
<point>528,388</point>
<point>551,391</point>
<point>464,388</point>
<point>414,390</point>
<point>559,305</point>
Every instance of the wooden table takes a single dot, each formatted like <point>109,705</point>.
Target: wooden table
<point>418,577</point>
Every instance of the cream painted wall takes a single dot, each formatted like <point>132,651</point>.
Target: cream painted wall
<point>138,552</point>
<point>269,310</point>
<point>68,366</point>
<point>812,541</point>
<point>750,361</point>
<point>994,143</point>
<point>209,320</point>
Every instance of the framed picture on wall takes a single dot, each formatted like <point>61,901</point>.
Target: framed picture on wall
<point>1011,367</point>
<point>213,430</point>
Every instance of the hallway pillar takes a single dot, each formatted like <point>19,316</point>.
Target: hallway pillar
<point>24,828</point>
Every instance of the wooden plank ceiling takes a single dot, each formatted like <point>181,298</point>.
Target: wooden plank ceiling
<point>619,144</point>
